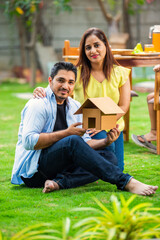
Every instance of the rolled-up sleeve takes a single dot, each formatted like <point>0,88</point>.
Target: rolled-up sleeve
<point>86,137</point>
<point>33,124</point>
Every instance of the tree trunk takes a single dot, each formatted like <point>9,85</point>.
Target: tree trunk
<point>113,22</point>
<point>33,66</point>
<point>31,47</point>
<point>22,38</point>
<point>126,23</point>
<point>43,31</point>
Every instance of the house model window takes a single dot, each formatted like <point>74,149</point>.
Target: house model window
<point>99,113</point>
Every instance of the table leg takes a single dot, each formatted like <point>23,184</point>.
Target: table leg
<point>158,132</point>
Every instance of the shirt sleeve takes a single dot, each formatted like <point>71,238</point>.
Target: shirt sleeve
<point>86,137</point>
<point>33,124</point>
<point>124,75</point>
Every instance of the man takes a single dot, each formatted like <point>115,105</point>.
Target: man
<point>51,151</point>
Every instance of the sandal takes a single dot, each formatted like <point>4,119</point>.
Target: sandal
<point>152,148</point>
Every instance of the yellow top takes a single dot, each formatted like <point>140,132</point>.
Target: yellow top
<point>110,88</point>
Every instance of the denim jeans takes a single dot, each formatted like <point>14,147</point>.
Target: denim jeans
<point>117,147</point>
<point>71,163</point>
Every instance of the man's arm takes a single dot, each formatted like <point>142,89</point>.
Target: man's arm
<point>47,139</point>
<point>34,137</point>
<point>112,136</point>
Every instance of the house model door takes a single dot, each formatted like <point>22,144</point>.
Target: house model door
<point>91,118</point>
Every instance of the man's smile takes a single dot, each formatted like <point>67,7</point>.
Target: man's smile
<point>63,91</point>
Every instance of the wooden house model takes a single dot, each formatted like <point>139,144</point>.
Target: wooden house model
<point>100,113</point>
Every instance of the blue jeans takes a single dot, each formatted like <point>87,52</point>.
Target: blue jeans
<point>117,147</point>
<point>71,163</point>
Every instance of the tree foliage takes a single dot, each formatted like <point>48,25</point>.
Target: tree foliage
<point>28,15</point>
<point>130,4</point>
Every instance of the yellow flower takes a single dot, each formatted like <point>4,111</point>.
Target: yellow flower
<point>33,8</point>
<point>19,10</point>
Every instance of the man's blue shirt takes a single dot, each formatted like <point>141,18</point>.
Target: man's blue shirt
<point>38,116</point>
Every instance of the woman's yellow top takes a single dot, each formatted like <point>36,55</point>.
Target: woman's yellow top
<point>119,76</point>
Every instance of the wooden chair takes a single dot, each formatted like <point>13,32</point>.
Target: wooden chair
<point>157,107</point>
<point>156,102</point>
<point>71,54</point>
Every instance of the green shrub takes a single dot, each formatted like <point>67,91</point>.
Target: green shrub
<point>122,223</point>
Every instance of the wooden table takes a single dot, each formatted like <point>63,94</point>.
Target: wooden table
<point>145,61</point>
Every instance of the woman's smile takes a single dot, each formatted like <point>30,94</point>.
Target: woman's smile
<point>95,49</point>
<point>95,56</point>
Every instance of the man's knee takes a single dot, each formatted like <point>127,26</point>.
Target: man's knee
<point>75,139</point>
<point>109,155</point>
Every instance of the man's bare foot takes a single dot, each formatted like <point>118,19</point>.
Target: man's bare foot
<point>50,186</point>
<point>137,187</point>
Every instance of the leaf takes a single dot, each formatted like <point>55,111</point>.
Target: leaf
<point>103,208</point>
<point>29,229</point>
<point>66,227</point>
<point>140,206</point>
<point>128,202</point>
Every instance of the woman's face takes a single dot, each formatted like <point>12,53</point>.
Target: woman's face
<point>95,49</point>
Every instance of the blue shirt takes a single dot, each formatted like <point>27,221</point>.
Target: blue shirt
<point>38,115</point>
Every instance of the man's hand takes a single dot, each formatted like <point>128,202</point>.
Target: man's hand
<point>112,135</point>
<point>73,130</point>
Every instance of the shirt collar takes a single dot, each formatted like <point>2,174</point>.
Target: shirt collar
<point>49,91</point>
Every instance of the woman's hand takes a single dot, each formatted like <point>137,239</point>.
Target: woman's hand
<point>39,92</point>
<point>112,135</point>
<point>92,131</point>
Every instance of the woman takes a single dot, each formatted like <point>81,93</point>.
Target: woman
<point>146,139</point>
<point>99,75</point>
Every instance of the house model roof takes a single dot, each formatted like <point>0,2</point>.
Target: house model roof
<point>105,104</point>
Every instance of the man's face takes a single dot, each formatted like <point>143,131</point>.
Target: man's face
<point>62,85</point>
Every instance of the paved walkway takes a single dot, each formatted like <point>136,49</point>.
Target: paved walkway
<point>23,95</point>
<point>147,86</point>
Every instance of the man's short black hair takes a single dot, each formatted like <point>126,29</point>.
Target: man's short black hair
<point>63,66</point>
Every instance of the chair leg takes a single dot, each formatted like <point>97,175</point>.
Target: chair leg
<point>126,128</point>
<point>158,132</point>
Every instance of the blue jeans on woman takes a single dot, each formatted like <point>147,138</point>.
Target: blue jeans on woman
<point>71,163</point>
<point>117,147</point>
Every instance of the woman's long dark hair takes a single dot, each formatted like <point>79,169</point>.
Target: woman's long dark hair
<point>85,64</point>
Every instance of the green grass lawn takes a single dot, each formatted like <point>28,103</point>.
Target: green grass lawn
<point>21,207</point>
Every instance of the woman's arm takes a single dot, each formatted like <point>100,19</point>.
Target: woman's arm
<point>112,136</point>
<point>124,100</point>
